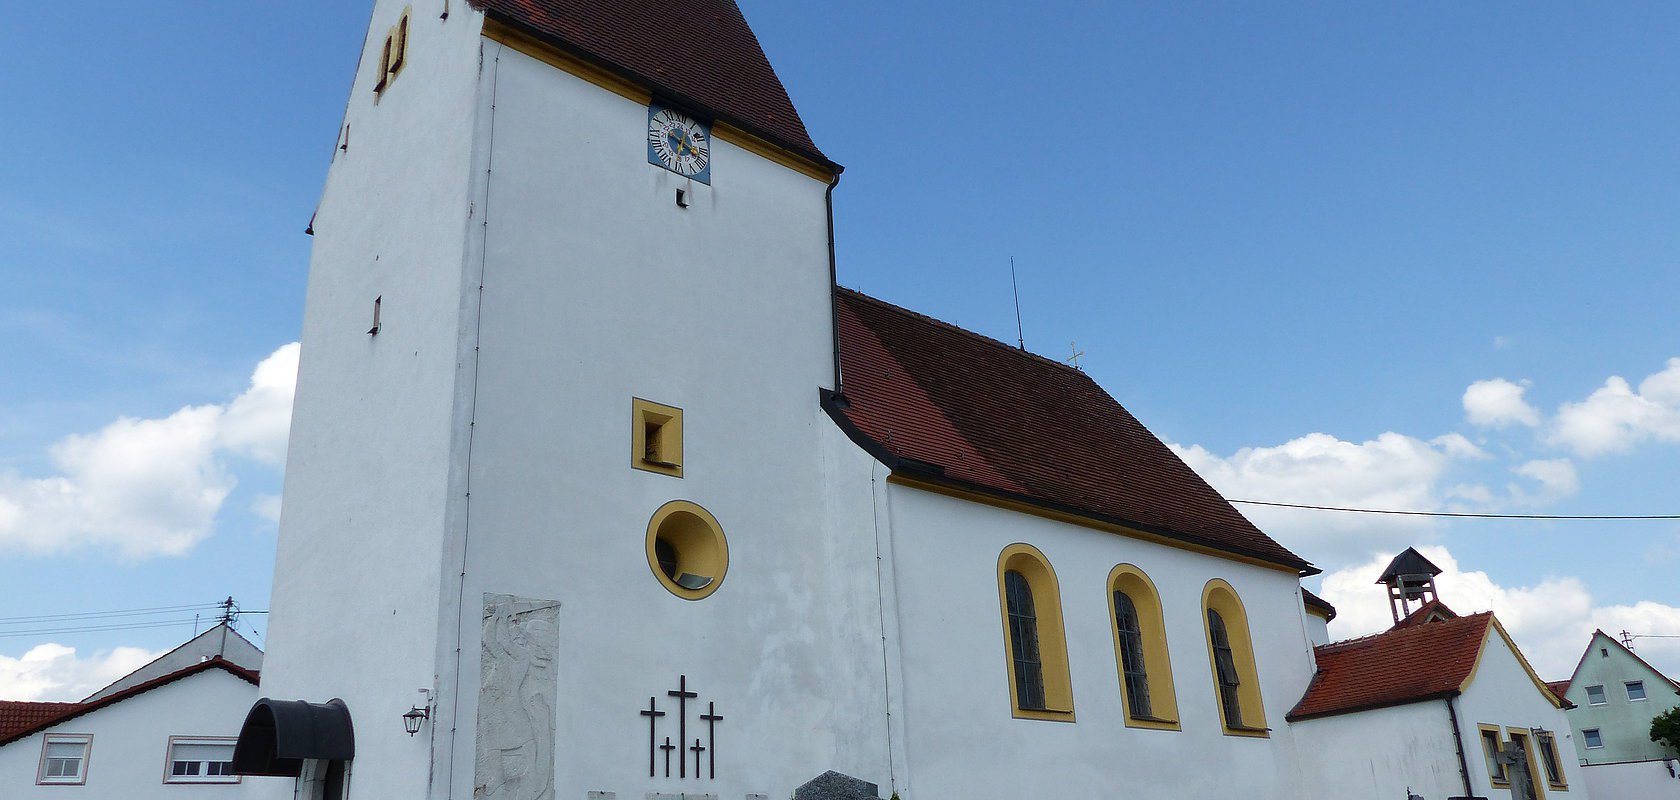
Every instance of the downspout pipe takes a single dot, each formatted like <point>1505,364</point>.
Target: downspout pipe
<point>834,288</point>
<point>1458,742</point>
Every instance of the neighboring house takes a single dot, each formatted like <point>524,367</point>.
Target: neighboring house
<point>169,735</point>
<point>1426,707</point>
<point>1615,694</point>
<point>621,496</point>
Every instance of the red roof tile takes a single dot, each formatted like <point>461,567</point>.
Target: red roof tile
<point>939,403</point>
<point>1432,611</point>
<point>34,720</point>
<point>698,53</point>
<point>1401,665</point>
<point>1559,688</point>
<point>20,716</point>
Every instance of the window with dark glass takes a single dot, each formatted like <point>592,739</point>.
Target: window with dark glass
<point>1225,663</point>
<point>1130,631</point>
<point>1023,642</point>
<point>1490,751</point>
<point>1549,759</point>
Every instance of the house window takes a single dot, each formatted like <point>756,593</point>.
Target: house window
<point>1593,738</point>
<point>1140,650</point>
<point>64,759</point>
<point>200,760</point>
<point>1023,641</point>
<point>1525,763</point>
<point>1034,639</point>
<point>1636,690</point>
<point>1231,657</point>
<point>393,54</point>
<point>656,433</point>
<point>1491,745</point>
<point>1595,696</point>
<point>1550,761</point>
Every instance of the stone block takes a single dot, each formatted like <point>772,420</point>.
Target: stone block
<point>832,785</point>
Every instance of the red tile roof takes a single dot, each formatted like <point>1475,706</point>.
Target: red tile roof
<point>698,53</point>
<point>20,716</point>
<point>1559,688</point>
<point>34,720</point>
<point>1432,611</point>
<point>1401,665</point>
<point>938,403</point>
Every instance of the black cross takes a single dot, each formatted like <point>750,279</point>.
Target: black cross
<point>712,718</point>
<point>683,694</point>
<point>667,747</point>
<point>698,749</point>
<point>653,714</point>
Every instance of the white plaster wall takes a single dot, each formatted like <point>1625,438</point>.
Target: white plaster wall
<point>130,748</point>
<point>373,470</point>
<point>1318,628</point>
<point>599,288</point>
<point>1637,780</point>
<point>1382,753</point>
<point>961,738</point>
<point>1502,693</point>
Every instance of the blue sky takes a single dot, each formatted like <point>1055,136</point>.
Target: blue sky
<point>1288,237</point>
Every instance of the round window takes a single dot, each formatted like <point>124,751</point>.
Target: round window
<point>686,550</point>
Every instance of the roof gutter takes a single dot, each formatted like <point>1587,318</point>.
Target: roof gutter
<point>1458,742</point>
<point>834,289</point>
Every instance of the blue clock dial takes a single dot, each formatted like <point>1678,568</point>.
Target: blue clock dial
<point>679,143</point>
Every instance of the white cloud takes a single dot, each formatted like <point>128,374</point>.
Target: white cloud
<point>1551,620</point>
<point>1499,403</point>
<point>149,487</point>
<point>1616,416</point>
<point>1392,471</point>
<point>267,506</point>
<point>54,673</point>
<point>1556,476</point>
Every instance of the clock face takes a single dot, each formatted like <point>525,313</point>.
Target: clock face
<point>679,143</point>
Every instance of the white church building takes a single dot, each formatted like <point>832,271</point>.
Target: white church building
<point>599,487</point>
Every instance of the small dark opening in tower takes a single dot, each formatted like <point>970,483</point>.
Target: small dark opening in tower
<point>682,198</point>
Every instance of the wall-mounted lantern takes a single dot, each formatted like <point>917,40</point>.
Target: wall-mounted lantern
<point>412,719</point>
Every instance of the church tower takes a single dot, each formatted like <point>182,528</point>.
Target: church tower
<point>556,512</point>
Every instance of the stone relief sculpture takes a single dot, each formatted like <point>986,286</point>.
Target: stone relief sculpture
<point>516,699</point>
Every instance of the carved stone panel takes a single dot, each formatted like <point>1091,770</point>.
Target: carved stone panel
<point>516,699</point>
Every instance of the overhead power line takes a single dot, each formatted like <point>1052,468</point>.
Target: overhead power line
<point>126,626</point>
<point>95,615</point>
<point>1461,514</point>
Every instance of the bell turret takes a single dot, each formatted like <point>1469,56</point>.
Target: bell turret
<point>1410,578</point>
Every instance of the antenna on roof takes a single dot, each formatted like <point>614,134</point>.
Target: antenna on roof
<point>1627,639</point>
<point>1020,335</point>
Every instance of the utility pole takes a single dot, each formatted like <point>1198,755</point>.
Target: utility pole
<point>229,612</point>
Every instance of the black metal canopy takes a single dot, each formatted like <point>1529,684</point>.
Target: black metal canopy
<point>1407,564</point>
<point>279,735</point>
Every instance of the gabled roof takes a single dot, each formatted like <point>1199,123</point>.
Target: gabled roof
<point>218,640</point>
<point>700,54</point>
<point>16,715</point>
<point>40,721</point>
<point>1432,611</point>
<point>1619,646</point>
<point>1401,665</point>
<point>944,406</point>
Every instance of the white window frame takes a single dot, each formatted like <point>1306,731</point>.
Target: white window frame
<point>1603,696</point>
<point>169,775</point>
<point>1585,737</point>
<point>80,779</point>
<point>1627,686</point>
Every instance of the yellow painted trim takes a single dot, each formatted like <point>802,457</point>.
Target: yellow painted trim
<point>699,541</point>
<point>1163,699</point>
<point>771,152</point>
<point>1536,776</point>
<point>1052,634</point>
<point>1521,659</point>
<point>1316,611</point>
<point>1084,522</point>
<point>669,419</point>
<point>1488,759</point>
<point>1550,743</point>
<point>1220,596</point>
<point>552,56</point>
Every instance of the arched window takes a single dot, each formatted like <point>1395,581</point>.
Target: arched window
<point>1033,635</point>
<point>1231,656</point>
<point>1140,650</point>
